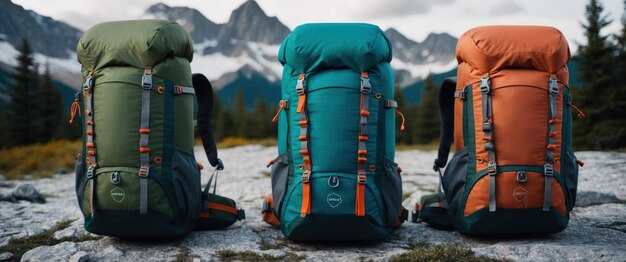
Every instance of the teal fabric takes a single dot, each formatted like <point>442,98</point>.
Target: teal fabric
<point>316,47</point>
<point>333,57</point>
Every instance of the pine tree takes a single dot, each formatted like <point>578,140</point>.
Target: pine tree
<point>402,137</point>
<point>596,71</point>
<point>427,119</point>
<point>260,120</point>
<point>21,107</point>
<point>49,108</point>
<point>241,116</point>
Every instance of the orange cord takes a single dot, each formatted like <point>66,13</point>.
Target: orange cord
<point>581,115</point>
<point>73,109</point>
<point>402,116</point>
<point>280,108</point>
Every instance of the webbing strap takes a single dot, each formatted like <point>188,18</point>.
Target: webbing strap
<point>391,103</point>
<point>90,158</point>
<point>144,135</point>
<point>485,89</point>
<point>304,146</point>
<point>548,170</point>
<point>179,89</point>
<point>366,89</point>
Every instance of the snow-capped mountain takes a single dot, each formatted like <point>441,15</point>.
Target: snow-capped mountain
<point>238,54</point>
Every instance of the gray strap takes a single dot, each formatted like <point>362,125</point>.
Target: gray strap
<point>548,169</point>
<point>144,135</point>
<point>391,104</point>
<point>179,89</point>
<point>366,89</point>
<point>492,170</point>
<point>90,133</point>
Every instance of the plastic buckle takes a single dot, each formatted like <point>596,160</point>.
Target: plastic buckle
<point>522,177</point>
<point>305,176</point>
<point>88,83</point>
<point>485,84</point>
<point>362,179</point>
<point>366,86</point>
<point>241,214</point>
<point>463,93</point>
<point>115,178</point>
<point>333,182</point>
<point>90,172</point>
<point>548,170</point>
<point>489,145</point>
<point>146,80</point>
<point>266,207</point>
<point>554,86</point>
<point>143,171</point>
<point>492,169</point>
<point>220,165</point>
<point>487,126</point>
<point>300,86</point>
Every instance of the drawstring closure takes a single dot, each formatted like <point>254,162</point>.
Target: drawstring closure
<point>73,109</point>
<point>581,115</point>
<point>402,116</point>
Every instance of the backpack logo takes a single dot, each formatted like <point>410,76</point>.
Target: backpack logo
<point>118,194</point>
<point>333,200</point>
<point>520,193</point>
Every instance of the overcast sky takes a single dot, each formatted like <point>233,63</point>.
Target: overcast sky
<point>414,18</point>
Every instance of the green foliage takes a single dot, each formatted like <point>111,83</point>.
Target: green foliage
<point>48,109</point>
<point>444,253</point>
<point>20,115</point>
<point>427,122</point>
<point>603,94</point>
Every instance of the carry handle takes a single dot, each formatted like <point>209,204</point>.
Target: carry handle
<point>446,114</point>
<point>204,95</point>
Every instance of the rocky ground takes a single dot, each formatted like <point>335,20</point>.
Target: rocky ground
<point>597,229</point>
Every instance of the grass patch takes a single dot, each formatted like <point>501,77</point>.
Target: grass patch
<point>425,252</point>
<point>229,255</point>
<point>266,245</point>
<point>19,246</point>
<point>38,160</point>
<point>183,256</point>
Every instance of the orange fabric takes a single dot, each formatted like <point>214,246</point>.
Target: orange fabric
<point>144,131</point>
<point>360,200</point>
<point>493,48</point>
<point>363,138</point>
<point>270,217</point>
<point>144,149</point>
<point>281,106</point>
<point>224,208</point>
<point>160,90</point>
<point>200,166</point>
<point>401,116</point>
<point>90,145</point>
<point>301,103</point>
<point>511,194</point>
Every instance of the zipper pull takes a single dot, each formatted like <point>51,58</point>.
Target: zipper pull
<point>281,106</point>
<point>581,115</point>
<point>402,116</point>
<point>74,108</point>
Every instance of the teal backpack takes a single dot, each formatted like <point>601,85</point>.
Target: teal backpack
<point>335,178</point>
<point>137,175</point>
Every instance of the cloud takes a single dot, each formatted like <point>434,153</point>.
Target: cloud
<point>506,7</point>
<point>391,8</point>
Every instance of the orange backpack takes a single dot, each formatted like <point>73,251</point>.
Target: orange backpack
<point>509,116</point>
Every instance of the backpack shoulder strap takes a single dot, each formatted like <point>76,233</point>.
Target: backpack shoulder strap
<point>446,113</point>
<point>204,94</point>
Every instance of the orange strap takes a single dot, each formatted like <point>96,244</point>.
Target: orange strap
<point>74,109</point>
<point>281,107</point>
<point>304,145</point>
<point>225,208</point>
<point>268,215</point>
<point>365,89</point>
<point>581,115</point>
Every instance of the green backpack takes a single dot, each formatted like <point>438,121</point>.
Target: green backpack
<point>137,175</point>
<point>335,178</point>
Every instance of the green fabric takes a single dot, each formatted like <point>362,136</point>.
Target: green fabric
<point>123,223</point>
<point>217,219</point>
<point>139,43</point>
<point>315,47</point>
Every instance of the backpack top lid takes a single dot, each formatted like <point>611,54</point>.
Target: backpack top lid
<point>491,48</point>
<point>137,43</point>
<point>315,47</point>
